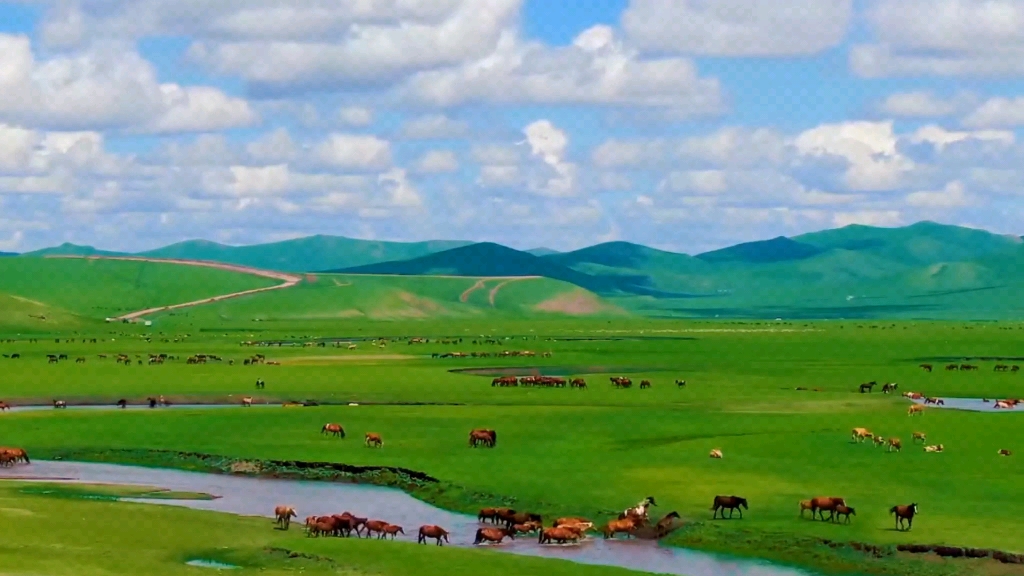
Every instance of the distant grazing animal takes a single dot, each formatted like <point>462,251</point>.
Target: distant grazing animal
<point>936,401</point>
<point>623,526</point>
<point>952,367</point>
<point>488,438</point>
<point>621,381</point>
<point>879,440</point>
<point>867,386</point>
<point>431,531</point>
<point>376,527</point>
<point>247,401</point>
<point>821,504</point>
<point>920,436</point>
<point>284,515</point>
<point>894,444</point>
<point>716,454</point>
<point>889,387</point>
<point>680,383</point>
<point>493,535</point>
<point>559,536</point>
<point>393,530</point>
<point>122,403</point>
<point>1005,452</point>
<point>334,430</point>
<point>843,510</point>
<point>15,455</point>
<point>860,434</point>
<point>728,502</point>
<point>374,440</point>
<point>926,367</point>
<point>902,513</point>
<point>60,404</point>
<point>915,409</point>
<point>80,360</point>
<point>579,383</point>
<point>644,384</point>
<point>935,448</point>
<point>4,406</point>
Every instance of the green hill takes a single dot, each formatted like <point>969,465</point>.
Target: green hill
<point>7,254</point>
<point>310,254</point>
<point>542,251</point>
<point>69,249</point>
<point>779,249</point>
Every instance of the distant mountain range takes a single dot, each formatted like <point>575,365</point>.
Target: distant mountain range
<point>923,270</point>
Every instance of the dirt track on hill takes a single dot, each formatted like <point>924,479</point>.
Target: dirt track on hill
<point>288,280</point>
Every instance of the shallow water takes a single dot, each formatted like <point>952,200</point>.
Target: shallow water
<point>258,497</point>
<point>971,404</point>
<point>211,564</point>
<point>553,370</point>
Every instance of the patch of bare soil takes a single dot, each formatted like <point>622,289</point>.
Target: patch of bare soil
<point>575,303</point>
<point>479,285</point>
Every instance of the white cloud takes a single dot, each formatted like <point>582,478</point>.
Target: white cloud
<point>952,195</point>
<point>924,104</point>
<point>997,112</point>
<point>433,127</point>
<point>499,176</point>
<point>199,109</point>
<point>869,148</point>
<point>400,193</point>
<point>355,116</point>
<point>550,143</point>
<point>868,218</point>
<point>736,146</point>
<point>597,69</point>
<point>354,152</point>
<point>940,138</point>
<point>437,161</point>
<point>737,27</point>
<point>276,146</point>
<point>942,37</point>
<point>615,153</point>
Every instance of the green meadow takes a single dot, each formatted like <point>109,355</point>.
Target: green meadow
<point>561,451</point>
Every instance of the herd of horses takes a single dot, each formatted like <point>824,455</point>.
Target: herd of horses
<point>837,508</point>
<point>558,382</point>
<point>477,437</point>
<point>12,456</point>
<point>971,367</point>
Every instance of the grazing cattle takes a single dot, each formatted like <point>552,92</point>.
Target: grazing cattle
<point>1005,452</point>
<point>644,384</point>
<point>934,448</point>
<point>926,367</point>
<point>430,531</point>
<point>247,402</point>
<point>860,434</point>
<point>867,386</point>
<point>716,454</point>
<point>493,535</point>
<point>284,515</point>
<point>920,436</point>
<point>559,536</point>
<point>4,406</point>
<point>60,404</point>
<point>894,444</point>
<point>906,513</point>
<point>374,440</point>
<point>622,526</point>
<point>680,383</point>
<point>915,409</point>
<point>821,504</point>
<point>730,503</point>
<point>889,387</point>
<point>333,429</point>
<point>843,510</point>
<point>488,438</point>
<point>122,403</point>
<point>393,530</point>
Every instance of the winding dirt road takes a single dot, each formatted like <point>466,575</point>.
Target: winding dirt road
<point>288,280</point>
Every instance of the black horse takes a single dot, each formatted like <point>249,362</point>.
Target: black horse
<point>728,502</point>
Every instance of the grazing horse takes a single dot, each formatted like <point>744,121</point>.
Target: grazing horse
<point>1005,452</point>
<point>579,383</point>
<point>935,448</point>
<point>431,531</point>
<point>622,526</point>
<point>860,434</point>
<point>494,535</point>
<point>821,504</point>
<point>716,453</point>
<point>247,402</point>
<point>60,404</point>
<point>393,530</point>
<point>902,513</point>
<point>15,455</point>
<point>6,460</point>
<point>915,409</point>
<point>728,502</point>
<point>920,436</point>
<point>376,526</point>
<point>806,505</point>
<point>559,535</point>
<point>680,383</point>
<point>644,384</point>
<point>4,406</point>
<point>374,440</point>
<point>894,444</point>
<point>889,387</point>
<point>879,440</point>
<point>333,429</point>
<point>867,386</point>
<point>488,438</point>
<point>284,515</point>
<point>640,510</point>
<point>664,526</point>
<point>122,403</point>
<point>926,367</point>
<point>844,510</point>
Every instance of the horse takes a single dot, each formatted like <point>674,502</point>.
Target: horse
<point>680,383</point>
<point>1005,452</point>
<point>664,526</point>
<point>60,404</point>
<point>920,436</point>
<point>377,526</point>
<point>935,448</point>
<point>529,527</point>
<point>640,510</point>
<point>520,518</point>
<point>284,515</point>
<point>905,512</point>
<point>716,453</point>
<point>4,406</point>
<point>844,510</point>
<point>915,409</point>
<point>805,505</point>
<point>431,531</point>
<point>860,434</point>
<point>247,402</point>
<point>374,440</point>
<point>16,455</point>
<point>488,438</point>
<point>122,403</point>
<point>644,384</point>
<point>571,521</point>
<point>333,429</point>
<point>822,503</point>
<point>867,386</point>
<point>353,523</point>
<point>622,526</point>
<point>559,535</point>
<point>393,530</point>
<point>894,444</point>
<point>926,367</point>
<point>579,383</point>
<point>889,387</point>
<point>493,535</point>
<point>728,502</point>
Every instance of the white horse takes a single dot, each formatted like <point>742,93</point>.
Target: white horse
<point>640,510</point>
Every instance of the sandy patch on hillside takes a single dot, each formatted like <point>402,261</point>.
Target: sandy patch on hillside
<point>479,285</point>
<point>575,303</point>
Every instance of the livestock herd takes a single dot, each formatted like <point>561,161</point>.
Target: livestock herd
<point>558,382</point>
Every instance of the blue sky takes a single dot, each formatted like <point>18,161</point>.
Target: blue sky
<point>682,124</point>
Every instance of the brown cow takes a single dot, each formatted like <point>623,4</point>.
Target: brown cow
<point>431,531</point>
<point>493,535</point>
<point>333,429</point>
<point>284,515</point>
<point>374,440</point>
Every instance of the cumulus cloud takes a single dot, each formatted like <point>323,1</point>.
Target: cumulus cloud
<point>355,116</point>
<point>354,151</point>
<point>549,144</point>
<point>924,104</point>
<point>433,127</point>
<point>437,161</point>
<point>952,195</point>
<point>997,112</point>
<point>737,27</point>
<point>868,148</point>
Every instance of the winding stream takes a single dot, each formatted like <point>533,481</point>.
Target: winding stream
<point>257,497</point>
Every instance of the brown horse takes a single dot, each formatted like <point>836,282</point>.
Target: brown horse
<point>520,518</point>
<point>846,511</point>
<point>17,455</point>
<point>894,444</point>
<point>624,526</point>
<point>728,502</point>
<point>334,430</point>
<point>374,440</point>
<point>571,521</point>
<point>393,530</point>
<point>644,384</point>
<point>492,514</point>
<point>431,531</point>
<point>920,436</point>
<point>6,460</point>
<point>805,505</point>
<point>529,527</point>
<point>493,535</point>
<point>284,515</point>
<point>488,438</point>
<point>902,513</point>
<point>664,526</point>
<point>559,535</point>
<point>915,409</point>
<point>821,504</point>
<point>4,406</point>
<point>376,526</point>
